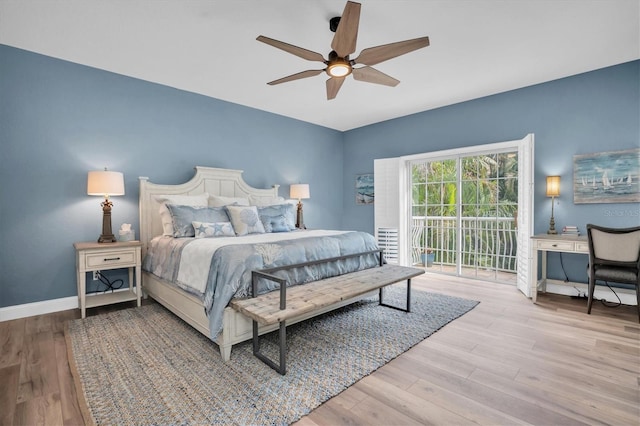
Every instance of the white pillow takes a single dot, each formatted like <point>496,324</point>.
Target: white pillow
<point>245,220</point>
<point>213,230</point>
<point>200,200</point>
<point>266,201</point>
<point>219,201</point>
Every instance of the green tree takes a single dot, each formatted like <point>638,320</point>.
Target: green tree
<point>488,189</point>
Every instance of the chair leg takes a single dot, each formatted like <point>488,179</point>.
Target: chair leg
<point>592,285</point>
<point>638,300</point>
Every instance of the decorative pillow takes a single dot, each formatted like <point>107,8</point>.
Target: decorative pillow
<point>275,224</point>
<point>219,201</point>
<point>200,200</point>
<point>265,201</point>
<point>287,210</point>
<point>213,230</point>
<point>183,216</point>
<point>245,220</point>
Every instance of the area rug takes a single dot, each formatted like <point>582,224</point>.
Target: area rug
<point>146,366</point>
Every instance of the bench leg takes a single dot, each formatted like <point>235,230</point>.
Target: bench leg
<point>282,342</point>
<point>408,309</point>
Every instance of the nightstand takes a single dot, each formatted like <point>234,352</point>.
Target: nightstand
<point>102,256</point>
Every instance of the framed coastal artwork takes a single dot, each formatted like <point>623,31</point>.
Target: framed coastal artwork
<point>607,177</point>
<point>364,189</point>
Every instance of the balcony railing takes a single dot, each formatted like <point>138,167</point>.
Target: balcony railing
<point>488,243</point>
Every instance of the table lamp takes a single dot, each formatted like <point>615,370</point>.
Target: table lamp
<point>553,190</point>
<point>299,191</point>
<point>105,183</point>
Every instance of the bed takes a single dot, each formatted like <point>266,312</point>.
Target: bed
<point>227,185</point>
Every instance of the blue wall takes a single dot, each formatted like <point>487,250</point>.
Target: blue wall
<point>587,113</point>
<point>58,120</point>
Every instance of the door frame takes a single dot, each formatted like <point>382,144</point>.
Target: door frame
<point>525,149</point>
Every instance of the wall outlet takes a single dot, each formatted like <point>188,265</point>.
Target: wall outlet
<point>95,275</point>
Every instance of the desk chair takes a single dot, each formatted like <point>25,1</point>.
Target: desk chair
<point>614,255</point>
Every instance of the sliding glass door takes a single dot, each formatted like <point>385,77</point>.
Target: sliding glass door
<point>464,211</point>
<point>463,214</point>
<point>434,233</point>
<point>489,205</point>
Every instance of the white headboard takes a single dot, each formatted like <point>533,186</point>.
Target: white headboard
<point>224,182</point>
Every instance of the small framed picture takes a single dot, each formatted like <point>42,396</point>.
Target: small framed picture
<point>364,189</point>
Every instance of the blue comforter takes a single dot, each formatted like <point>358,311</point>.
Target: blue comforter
<point>231,265</point>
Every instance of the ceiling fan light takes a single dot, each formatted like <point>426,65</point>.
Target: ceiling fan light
<point>339,69</point>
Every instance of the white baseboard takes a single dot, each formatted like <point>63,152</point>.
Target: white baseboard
<point>38,308</point>
<point>627,296</point>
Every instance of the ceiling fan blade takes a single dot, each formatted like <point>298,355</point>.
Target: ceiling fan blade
<point>375,55</point>
<point>295,50</point>
<point>372,75</point>
<point>297,76</point>
<point>344,41</point>
<point>333,86</point>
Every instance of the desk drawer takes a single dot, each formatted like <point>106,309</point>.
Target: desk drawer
<point>582,247</point>
<point>101,260</point>
<point>556,245</point>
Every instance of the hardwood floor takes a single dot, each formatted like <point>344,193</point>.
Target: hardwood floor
<point>506,362</point>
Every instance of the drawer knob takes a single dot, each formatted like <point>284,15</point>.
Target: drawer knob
<point>554,245</point>
<point>108,259</point>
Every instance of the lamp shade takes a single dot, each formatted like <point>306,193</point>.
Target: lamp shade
<point>105,183</point>
<point>553,186</point>
<point>299,191</point>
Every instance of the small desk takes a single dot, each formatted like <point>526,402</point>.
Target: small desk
<point>559,243</point>
<point>103,256</point>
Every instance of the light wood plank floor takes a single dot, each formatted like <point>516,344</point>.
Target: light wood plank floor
<point>507,362</point>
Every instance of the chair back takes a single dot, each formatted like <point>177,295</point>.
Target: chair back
<point>614,255</point>
<point>614,246</point>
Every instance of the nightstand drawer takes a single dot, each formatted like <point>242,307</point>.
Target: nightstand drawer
<point>556,245</point>
<point>100,260</point>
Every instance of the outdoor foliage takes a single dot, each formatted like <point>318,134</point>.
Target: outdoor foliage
<point>488,191</point>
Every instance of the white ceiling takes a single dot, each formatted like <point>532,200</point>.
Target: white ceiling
<point>478,47</point>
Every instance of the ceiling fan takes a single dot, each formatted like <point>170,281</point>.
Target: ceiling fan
<point>339,65</point>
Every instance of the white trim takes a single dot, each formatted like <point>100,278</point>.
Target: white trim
<point>38,308</point>
<point>386,176</point>
<point>475,149</point>
<point>525,214</point>
<point>627,296</point>
<point>553,286</point>
<point>46,306</point>
<point>404,214</point>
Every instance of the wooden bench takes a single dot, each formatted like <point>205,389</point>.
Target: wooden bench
<point>287,303</point>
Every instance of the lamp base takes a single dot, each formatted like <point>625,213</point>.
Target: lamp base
<point>107,238</point>
<point>107,234</point>
<point>299,219</point>
<point>552,227</point>
<point>552,221</point>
